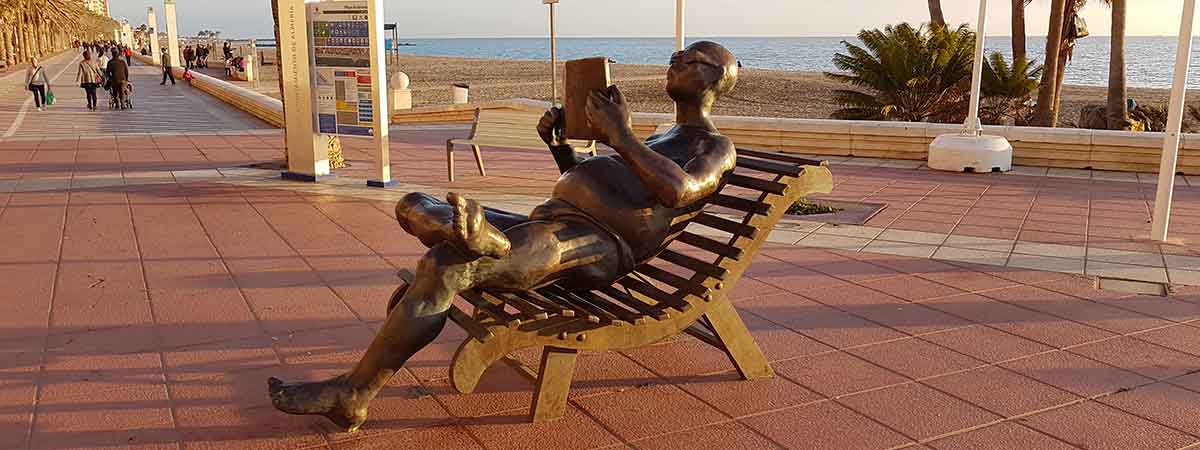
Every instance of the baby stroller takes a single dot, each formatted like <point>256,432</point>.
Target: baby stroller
<point>121,97</point>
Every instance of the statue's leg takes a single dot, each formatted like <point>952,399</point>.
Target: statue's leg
<point>432,220</point>
<point>541,252</point>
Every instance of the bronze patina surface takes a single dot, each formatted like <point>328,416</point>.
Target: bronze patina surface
<point>606,215</point>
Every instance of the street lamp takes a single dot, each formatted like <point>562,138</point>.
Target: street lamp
<point>553,54</point>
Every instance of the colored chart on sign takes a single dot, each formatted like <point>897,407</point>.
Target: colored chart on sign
<point>341,55</point>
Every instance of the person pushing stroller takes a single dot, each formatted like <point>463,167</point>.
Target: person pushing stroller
<point>118,79</point>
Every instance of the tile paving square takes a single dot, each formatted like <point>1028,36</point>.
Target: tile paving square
<point>249,277</point>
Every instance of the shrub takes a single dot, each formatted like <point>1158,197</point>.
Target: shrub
<point>1008,90</point>
<point>906,73</point>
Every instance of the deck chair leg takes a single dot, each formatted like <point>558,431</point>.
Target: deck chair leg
<point>478,160</point>
<point>553,385</point>
<point>739,344</point>
<point>450,160</point>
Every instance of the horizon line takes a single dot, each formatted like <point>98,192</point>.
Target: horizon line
<point>719,37</point>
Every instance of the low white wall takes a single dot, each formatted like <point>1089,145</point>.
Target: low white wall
<point>1032,146</point>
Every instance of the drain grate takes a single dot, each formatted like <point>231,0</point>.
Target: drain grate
<point>1133,286</point>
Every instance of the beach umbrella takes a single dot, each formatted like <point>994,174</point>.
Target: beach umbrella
<point>1170,148</point>
<point>553,53</point>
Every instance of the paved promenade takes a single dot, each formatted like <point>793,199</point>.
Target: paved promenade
<point>153,285</point>
<point>157,109</point>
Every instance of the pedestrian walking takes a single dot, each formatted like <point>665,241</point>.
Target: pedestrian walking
<point>37,82</point>
<point>102,57</point>
<point>189,56</point>
<point>166,67</point>
<point>89,76</point>
<point>128,56</point>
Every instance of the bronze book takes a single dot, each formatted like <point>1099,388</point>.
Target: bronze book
<point>581,78</point>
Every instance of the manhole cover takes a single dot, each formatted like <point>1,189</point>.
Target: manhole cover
<point>1132,286</point>
<point>851,213</point>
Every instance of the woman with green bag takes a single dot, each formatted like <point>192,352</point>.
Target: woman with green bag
<point>37,82</point>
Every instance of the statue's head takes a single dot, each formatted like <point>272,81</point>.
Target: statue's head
<point>704,71</point>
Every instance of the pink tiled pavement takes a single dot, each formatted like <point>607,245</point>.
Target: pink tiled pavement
<point>149,316</point>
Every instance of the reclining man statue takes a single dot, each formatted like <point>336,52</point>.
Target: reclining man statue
<point>607,215</point>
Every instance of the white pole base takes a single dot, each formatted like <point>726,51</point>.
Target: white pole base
<point>960,153</point>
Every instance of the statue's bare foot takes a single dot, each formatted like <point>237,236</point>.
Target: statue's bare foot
<point>331,398</point>
<point>471,232</point>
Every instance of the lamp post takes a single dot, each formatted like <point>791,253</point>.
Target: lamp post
<point>553,54</point>
<point>678,24</point>
<point>970,150</point>
<point>1170,148</point>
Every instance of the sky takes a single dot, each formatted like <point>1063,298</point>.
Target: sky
<point>655,18</point>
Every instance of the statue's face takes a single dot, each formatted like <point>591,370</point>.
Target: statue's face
<point>698,69</point>
<point>691,72</point>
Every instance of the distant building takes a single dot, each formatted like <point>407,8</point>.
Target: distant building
<point>97,6</point>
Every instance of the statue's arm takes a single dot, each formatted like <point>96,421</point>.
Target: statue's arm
<point>550,129</point>
<point>565,157</point>
<point>672,185</point>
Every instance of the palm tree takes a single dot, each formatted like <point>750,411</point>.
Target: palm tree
<point>1117,108</point>
<point>909,74</point>
<point>935,13</point>
<point>1046,113</point>
<point>1007,89</point>
<point>1018,28</point>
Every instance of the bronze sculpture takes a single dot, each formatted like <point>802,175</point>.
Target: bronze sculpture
<point>606,215</point>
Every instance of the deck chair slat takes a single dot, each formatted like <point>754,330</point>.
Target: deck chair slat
<point>688,262</point>
<point>758,184</point>
<point>682,284</point>
<point>725,225</point>
<point>490,309</point>
<point>602,312</point>
<point>769,166</point>
<point>554,308</point>
<point>527,307</point>
<point>577,309</point>
<point>621,312</point>
<point>633,303</point>
<point>709,244</point>
<point>776,156</point>
<point>469,324</point>
<point>664,299</point>
<point>740,204</point>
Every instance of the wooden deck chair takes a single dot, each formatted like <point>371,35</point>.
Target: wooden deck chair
<point>677,291</point>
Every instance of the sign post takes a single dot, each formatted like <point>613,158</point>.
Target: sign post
<point>307,161</point>
<point>349,68</point>
<point>379,98</point>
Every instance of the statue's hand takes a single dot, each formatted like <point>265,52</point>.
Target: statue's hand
<point>609,114</point>
<point>550,128</point>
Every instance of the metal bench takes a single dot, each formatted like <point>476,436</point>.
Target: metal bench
<point>507,129</point>
<point>683,289</point>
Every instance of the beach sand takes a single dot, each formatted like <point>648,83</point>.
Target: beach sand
<point>761,93</point>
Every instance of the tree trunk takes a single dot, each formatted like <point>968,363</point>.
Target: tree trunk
<point>1018,29</point>
<point>1045,114</point>
<point>935,13</point>
<point>1118,109</point>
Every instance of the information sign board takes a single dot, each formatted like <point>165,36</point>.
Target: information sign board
<point>341,58</point>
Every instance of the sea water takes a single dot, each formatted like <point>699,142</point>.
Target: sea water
<point>1149,60</point>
